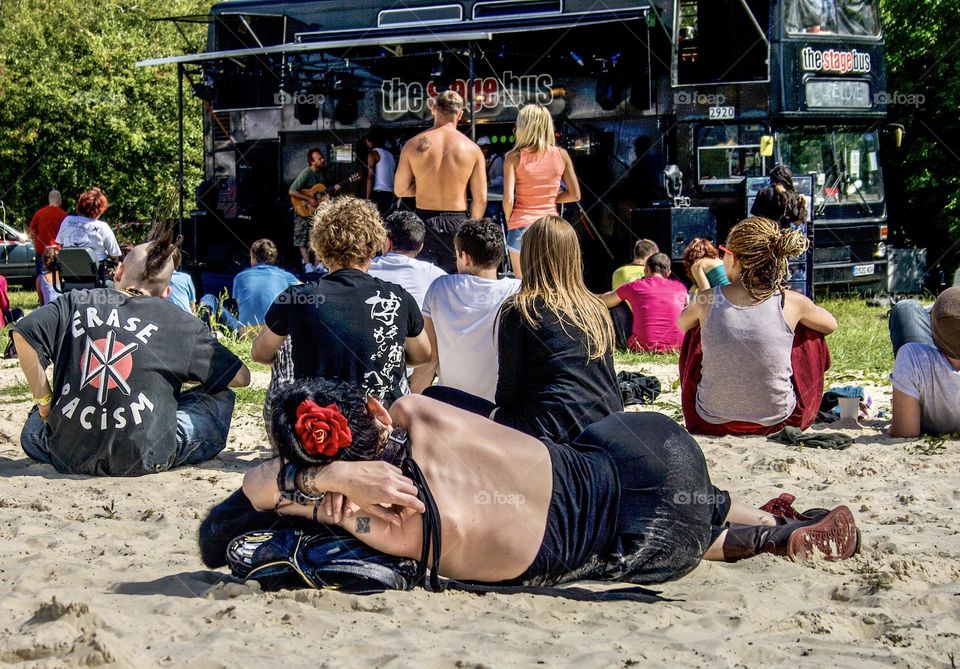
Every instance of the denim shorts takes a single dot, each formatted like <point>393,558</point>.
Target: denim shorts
<point>515,238</point>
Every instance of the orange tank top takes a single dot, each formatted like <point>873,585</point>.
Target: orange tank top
<point>538,183</point>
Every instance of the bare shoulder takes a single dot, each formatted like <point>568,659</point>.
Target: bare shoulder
<point>706,264</point>
<point>468,145</point>
<point>417,410</point>
<point>798,301</point>
<point>419,143</point>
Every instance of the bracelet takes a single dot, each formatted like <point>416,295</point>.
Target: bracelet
<point>43,401</point>
<point>287,485</point>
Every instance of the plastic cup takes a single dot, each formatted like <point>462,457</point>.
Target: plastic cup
<point>849,407</point>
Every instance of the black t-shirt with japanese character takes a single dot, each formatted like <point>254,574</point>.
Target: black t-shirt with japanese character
<point>119,362</point>
<point>349,326</point>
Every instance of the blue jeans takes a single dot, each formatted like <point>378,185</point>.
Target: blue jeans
<point>203,421</point>
<point>224,316</point>
<point>909,324</point>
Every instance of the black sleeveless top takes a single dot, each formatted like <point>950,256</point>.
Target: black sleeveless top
<point>582,519</point>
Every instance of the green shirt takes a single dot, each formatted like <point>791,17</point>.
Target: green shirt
<point>626,274</point>
<point>308,179</point>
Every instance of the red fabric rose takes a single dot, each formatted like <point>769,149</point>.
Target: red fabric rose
<point>322,430</point>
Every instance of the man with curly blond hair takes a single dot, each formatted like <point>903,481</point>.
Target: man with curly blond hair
<point>348,325</point>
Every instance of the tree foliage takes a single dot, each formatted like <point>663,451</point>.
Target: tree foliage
<point>923,178</point>
<point>75,111</point>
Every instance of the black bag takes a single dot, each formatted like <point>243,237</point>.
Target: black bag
<point>638,388</point>
<point>288,558</point>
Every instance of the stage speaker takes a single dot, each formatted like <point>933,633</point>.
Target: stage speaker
<point>672,228</point>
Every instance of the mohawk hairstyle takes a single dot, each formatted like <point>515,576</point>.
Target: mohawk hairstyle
<point>163,244</point>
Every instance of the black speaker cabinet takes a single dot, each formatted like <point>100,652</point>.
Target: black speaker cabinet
<point>671,228</point>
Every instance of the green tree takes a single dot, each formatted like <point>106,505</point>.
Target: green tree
<point>75,111</point>
<point>923,179</point>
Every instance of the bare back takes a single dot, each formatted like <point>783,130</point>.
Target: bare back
<point>493,487</point>
<point>443,163</point>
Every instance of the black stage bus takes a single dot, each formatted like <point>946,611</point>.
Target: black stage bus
<point>718,90</point>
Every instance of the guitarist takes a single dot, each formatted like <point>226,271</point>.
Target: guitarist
<point>315,173</point>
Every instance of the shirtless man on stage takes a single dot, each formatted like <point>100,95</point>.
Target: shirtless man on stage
<point>436,167</point>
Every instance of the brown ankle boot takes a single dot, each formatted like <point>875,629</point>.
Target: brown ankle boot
<point>834,536</point>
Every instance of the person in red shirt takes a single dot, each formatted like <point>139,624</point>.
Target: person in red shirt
<point>45,225</point>
<point>656,301</point>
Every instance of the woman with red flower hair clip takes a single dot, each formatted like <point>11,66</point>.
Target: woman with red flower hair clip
<point>481,502</point>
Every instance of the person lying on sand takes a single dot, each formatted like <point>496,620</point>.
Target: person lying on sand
<point>629,500</point>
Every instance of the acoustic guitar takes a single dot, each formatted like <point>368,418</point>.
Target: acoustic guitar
<point>304,209</point>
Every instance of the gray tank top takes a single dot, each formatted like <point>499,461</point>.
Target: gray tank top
<point>746,363</point>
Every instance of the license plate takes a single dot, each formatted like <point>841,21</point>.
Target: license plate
<point>863,270</point>
<point>721,113</point>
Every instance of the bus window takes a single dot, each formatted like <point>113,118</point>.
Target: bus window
<point>726,154</point>
<point>717,41</point>
<point>840,17</point>
<point>843,162</point>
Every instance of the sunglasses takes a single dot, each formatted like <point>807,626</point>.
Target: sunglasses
<point>724,250</point>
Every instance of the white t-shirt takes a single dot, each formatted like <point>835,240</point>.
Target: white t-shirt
<point>413,275</point>
<point>384,171</point>
<point>464,309</point>
<point>922,372</point>
<point>80,231</point>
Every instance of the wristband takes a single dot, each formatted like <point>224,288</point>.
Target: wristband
<point>287,485</point>
<point>43,401</point>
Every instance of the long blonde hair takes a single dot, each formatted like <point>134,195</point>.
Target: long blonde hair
<point>764,250</point>
<point>553,272</point>
<point>534,129</point>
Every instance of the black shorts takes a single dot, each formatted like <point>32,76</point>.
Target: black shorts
<point>442,227</point>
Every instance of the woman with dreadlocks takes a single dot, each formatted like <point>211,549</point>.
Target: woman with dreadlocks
<point>754,355</point>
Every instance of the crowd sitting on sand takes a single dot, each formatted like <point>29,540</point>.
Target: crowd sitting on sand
<point>490,387</point>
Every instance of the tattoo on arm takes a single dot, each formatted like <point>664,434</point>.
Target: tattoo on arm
<point>363,525</point>
<point>308,478</point>
<point>423,145</point>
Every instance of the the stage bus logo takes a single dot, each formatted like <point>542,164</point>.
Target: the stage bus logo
<point>401,97</point>
<point>831,60</point>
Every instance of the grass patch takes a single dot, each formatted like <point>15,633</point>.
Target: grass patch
<point>18,392</point>
<point>630,358</point>
<point>22,298</point>
<point>251,399</point>
<point>861,343</point>
<point>933,444</point>
<point>240,347</point>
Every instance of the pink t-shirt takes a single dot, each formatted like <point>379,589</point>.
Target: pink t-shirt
<point>656,302</point>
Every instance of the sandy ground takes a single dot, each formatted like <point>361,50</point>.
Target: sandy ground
<point>101,571</point>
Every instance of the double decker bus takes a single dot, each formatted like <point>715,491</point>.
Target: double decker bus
<point>720,89</point>
<point>797,82</point>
